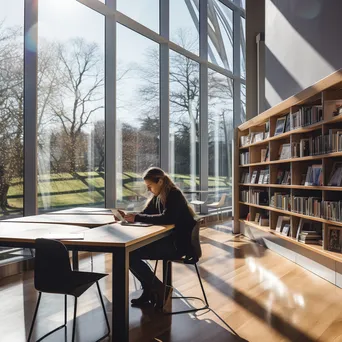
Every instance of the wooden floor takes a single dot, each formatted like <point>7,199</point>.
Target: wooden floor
<point>260,295</point>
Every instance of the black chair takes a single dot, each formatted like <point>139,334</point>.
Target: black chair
<point>189,260</point>
<point>53,274</point>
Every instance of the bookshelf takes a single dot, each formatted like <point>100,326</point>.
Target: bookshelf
<point>309,155</point>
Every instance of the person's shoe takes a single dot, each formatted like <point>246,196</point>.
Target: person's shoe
<point>144,299</point>
<point>157,297</point>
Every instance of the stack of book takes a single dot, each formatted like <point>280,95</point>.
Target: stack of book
<point>259,197</point>
<point>244,158</point>
<point>283,177</point>
<point>309,232</point>
<point>306,116</point>
<point>281,201</point>
<point>307,206</point>
<point>245,179</point>
<point>244,195</point>
<point>335,178</point>
<point>281,222</point>
<point>314,176</point>
<point>264,177</point>
<point>332,210</point>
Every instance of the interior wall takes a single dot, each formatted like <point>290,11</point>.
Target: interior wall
<point>255,24</point>
<point>302,45</point>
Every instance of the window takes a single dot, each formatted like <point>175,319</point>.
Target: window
<point>243,103</point>
<point>220,34</point>
<point>11,108</point>
<point>184,121</point>
<point>220,134</point>
<point>70,105</point>
<point>243,48</point>
<point>138,123</point>
<point>145,12</point>
<point>184,24</point>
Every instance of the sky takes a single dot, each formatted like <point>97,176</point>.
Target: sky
<point>64,19</point>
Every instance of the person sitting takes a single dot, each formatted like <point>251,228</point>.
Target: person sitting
<point>167,206</point>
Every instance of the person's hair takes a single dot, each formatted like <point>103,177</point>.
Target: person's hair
<point>154,174</point>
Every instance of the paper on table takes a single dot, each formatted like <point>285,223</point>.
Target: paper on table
<point>79,236</point>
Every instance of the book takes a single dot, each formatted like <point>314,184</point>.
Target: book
<point>286,230</point>
<point>280,125</point>
<point>254,177</point>
<point>282,220</point>
<point>334,239</point>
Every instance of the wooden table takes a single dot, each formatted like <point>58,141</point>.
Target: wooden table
<point>114,238</point>
<point>89,221</point>
<point>83,211</point>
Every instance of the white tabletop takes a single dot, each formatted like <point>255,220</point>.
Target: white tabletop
<point>73,219</point>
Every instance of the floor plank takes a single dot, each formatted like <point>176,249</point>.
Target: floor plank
<point>259,294</point>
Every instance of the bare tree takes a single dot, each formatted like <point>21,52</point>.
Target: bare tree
<point>11,110</point>
<point>81,80</point>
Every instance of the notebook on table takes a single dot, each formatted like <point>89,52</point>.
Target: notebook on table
<point>123,222</point>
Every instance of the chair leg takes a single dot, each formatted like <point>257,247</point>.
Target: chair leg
<point>34,316</point>
<point>205,301</point>
<point>104,311</point>
<point>74,321</point>
<point>65,310</point>
<point>200,281</point>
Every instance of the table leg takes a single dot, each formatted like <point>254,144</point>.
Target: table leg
<point>75,260</point>
<point>120,317</point>
<point>167,278</point>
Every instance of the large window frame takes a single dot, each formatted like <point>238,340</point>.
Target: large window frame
<point>112,17</point>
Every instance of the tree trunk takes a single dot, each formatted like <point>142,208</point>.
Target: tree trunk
<point>4,187</point>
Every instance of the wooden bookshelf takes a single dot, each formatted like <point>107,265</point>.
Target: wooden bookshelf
<point>325,96</point>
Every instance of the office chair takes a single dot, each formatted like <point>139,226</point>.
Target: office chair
<point>189,260</point>
<point>53,274</point>
<point>218,205</point>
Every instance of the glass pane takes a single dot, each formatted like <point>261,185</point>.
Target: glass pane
<point>184,24</point>
<point>184,121</point>
<point>243,103</point>
<point>145,12</point>
<point>70,105</point>
<point>241,3</point>
<point>11,108</point>
<point>138,123</point>
<point>221,133</point>
<point>220,34</point>
<point>243,48</point>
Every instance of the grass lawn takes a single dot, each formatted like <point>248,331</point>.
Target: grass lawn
<point>88,188</point>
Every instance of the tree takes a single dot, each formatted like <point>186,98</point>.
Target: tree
<point>11,110</point>
<point>80,97</point>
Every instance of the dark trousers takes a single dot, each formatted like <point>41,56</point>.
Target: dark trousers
<point>163,249</point>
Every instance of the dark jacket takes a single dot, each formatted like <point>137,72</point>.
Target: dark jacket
<point>176,211</point>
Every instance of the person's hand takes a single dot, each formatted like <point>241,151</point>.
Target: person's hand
<point>130,217</point>
<point>122,213</point>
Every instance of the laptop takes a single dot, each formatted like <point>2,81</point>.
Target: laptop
<point>126,223</point>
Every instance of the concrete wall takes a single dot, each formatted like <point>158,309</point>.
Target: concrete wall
<point>255,23</point>
<point>303,44</point>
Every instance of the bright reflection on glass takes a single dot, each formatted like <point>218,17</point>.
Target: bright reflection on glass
<point>70,105</point>
<point>11,108</point>
<point>184,24</point>
<point>243,103</point>
<point>184,121</point>
<point>220,34</point>
<point>145,12</point>
<point>241,3</point>
<point>138,131</point>
<point>221,132</point>
<point>243,48</point>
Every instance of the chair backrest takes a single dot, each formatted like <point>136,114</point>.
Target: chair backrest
<point>222,200</point>
<point>195,242</point>
<point>52,266</point>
